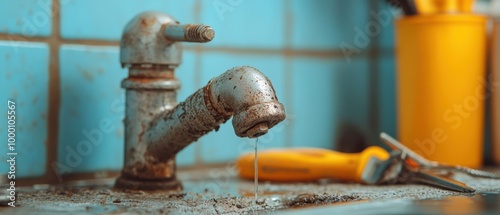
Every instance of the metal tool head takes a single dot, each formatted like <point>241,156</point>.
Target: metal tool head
<point>376,169</point>
<point>415,175</point>
<point>410,155</point>
<point>417,169</point>
<point>424,163</point>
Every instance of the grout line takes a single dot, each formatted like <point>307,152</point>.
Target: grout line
<point>288,72</point>
<point>21,38</point>
<point>250,51</point>
<point>281,52</point>
<point>90,42</point>
<point>373,88</point>
<point>385,51</point>
<point>54,95</point>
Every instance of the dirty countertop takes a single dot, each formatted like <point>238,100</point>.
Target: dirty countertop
<point>219,191</point>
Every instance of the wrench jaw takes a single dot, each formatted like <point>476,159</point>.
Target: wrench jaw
<point>409,167</point>
<point>378,171</point>
<point>394,173</point>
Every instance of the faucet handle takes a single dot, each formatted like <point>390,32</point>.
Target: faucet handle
<point>189,33</point>
<point>151,38</point>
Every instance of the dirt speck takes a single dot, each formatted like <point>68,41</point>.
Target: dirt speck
<point>87,75</point>
<point>117,201</point>
<point>177,195</point>
<point>318,199</point>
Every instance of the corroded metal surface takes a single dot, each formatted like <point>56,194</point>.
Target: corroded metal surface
<point>156,128</point>
<point>147,96</point>
<point>143,41</point>
<point>152,38</point>
<point>242,91</point>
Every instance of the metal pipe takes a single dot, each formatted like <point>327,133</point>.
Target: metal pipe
<point>242,91</point>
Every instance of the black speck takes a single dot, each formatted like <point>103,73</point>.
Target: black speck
<point>234,87</point>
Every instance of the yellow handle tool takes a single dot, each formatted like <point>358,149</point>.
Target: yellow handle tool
<point>308,164</point>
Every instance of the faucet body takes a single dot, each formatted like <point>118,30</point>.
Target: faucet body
<point>156,127</point>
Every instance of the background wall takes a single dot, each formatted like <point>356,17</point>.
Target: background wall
<point>331,63</point>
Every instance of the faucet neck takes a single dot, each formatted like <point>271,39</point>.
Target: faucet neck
<point>150,91</point>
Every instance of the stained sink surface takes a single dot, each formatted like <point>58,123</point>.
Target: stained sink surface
<point>219,191</point>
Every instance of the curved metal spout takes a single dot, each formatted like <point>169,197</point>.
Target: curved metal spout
<point>242,91</point>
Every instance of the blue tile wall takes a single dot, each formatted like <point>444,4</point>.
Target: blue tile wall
<point>387,95</point>
<point>325,24</point>
<point>321,93</point>
<point>245,24</point>
<point>25,79</point>
<point>387,32</point>
<point>224,145</point>
<point>326,94</point>
<point>96,19</point>
<point>91,106</point>
<point>26,18</point>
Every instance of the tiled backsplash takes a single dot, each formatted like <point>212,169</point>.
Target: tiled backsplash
<point>25,79</point>
<point>71,53</point>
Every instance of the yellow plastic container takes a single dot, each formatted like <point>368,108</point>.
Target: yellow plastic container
<point>495,90</point>
<point>441,86</point>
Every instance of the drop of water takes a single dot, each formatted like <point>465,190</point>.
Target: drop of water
<point>256,173</point>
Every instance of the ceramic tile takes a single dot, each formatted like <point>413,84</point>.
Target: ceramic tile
<point>25,79</point>
<point>26,18</point>
<point>95,19</point>
<point>328,94</point>
<point>245,24</point>
<point>92,109</point>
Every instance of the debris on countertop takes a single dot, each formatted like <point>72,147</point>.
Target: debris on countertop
<point>227,194</point>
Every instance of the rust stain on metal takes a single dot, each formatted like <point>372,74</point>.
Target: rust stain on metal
<point>148,21</point>
<point>154,170</point>
<point>142,80</point>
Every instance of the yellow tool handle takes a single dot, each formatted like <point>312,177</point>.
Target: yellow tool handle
<point>308,164</point>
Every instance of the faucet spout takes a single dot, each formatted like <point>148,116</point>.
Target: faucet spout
<point>241,92</point>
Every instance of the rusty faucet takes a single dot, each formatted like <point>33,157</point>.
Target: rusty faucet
<point>156,127</point>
